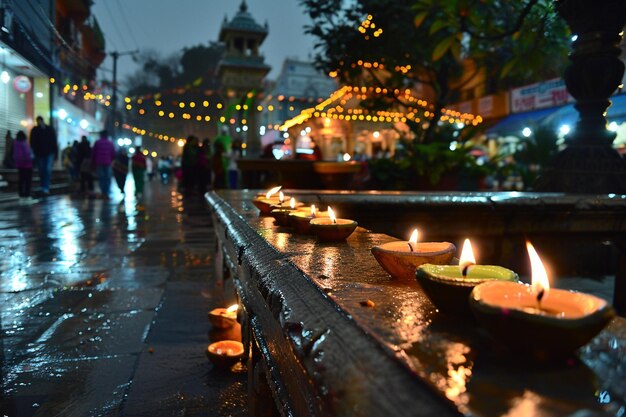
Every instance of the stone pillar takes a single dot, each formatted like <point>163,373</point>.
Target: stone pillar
<point>589,164</point>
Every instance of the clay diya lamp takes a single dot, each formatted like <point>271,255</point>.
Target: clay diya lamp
<point>449,286</point>
<point>401,258</point>
<point>225,353</point>
<point>332,229</point>
<point>265,202</point>
<point>547,323</point>
<point>300,219</point>
<point>281,214</point>
<point>223,318</point>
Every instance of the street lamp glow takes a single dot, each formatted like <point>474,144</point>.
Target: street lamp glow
<point>346,157</point>
<point>526,132</point>
<point>153,154</point>
<point>127,141</point>
<point>5,77</point>
<point>131,151</point>
<point>120,142</point>
<point>564,129</point>
<point>84,124</point>
<point>62,114</point>
<point>245,128</point>
<point>181,143</point>
<point>376,134</point>
<point>285,135</point>
<point>613,127</point>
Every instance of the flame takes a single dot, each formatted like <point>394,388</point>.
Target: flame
<point>292,203</point>
<point>414,236</point>
<point>273,191</point>
<point>331,214</point>
<point>232,308</point>
<point>281,197</point>
<point>539,275</point>
<point>467,256</point>
<point>313,210</point>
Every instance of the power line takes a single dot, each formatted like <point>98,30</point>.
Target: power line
<point>106,6</point>
<point>128,25</point>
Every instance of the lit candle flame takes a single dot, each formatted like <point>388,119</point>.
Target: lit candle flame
<point>232,308</point>
<point>467,257</point>
<point>540,282</point>
<point>313,211</point>
<point>413,239</point>
<point>273,191</point>
<point>331,214</point>
<point>281,197</point>
<point>292,203</point>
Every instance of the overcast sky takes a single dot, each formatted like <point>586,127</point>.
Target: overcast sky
<point>171,25</point>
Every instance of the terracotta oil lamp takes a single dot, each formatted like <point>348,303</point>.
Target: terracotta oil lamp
<point>300,219</point>
<point>281,214</point>
<point>332,229</point>
<point>265,202</point>
<point>449,286</point>
<point>534,318</point>
<point>225,353</point>
<point>223,318</point>
<point>401,258</point>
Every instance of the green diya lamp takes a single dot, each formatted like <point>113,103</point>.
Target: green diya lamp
<point>401,258</point>
<point>449,286</point>
<point>332,229</point>
<point>546,323</point>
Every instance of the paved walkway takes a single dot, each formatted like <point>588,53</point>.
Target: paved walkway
<point>103,309</point>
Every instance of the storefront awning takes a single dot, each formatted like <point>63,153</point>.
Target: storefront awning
<point>514,124</point>
<point>568,115</point>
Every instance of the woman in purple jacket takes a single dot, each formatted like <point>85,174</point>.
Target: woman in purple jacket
<point>22,156</point>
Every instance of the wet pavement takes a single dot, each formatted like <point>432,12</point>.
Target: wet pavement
<point>103,309</point>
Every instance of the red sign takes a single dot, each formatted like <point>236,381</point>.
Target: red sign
<point>22,84</point>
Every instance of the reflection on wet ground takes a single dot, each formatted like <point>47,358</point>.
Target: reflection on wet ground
<point>103,309</point>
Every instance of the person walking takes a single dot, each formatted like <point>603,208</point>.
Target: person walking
<point>85,167</point>
<point>8,162</point>
<point>204,166</point>
<point>138,165</point>
<point>164,167</point>
<point>190,164</point>
<point>23,159</point>
<point>120,168</point>
<point>102,156</point>
<point>149,168</point>
<point>43,141</point>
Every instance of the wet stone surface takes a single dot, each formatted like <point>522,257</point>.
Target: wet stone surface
<point>103,309</point>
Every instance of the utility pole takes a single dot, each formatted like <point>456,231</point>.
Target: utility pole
<point>115,55</point>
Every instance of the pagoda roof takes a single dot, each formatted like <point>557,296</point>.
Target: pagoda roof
<point>242,22</point>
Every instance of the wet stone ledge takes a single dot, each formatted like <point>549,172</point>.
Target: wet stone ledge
<point>327,353</point>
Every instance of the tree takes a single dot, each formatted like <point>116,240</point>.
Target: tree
<point>444,45</point>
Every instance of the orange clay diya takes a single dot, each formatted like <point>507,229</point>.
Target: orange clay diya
<point>300,219</point>
<point>536,319</point>
<point>223,318</point>
<point>265,202</point>
<point>225,353</point>
<point>281,214</point>
<point>401,258</point>
<point>332,229</point>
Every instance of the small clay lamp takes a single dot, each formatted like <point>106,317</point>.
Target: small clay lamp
<point>401,258</point>
<point>449,286</point>
<point>225,353</point>
<point>545,322</point>
<point>332,229</point>
<point>300,219</point>
<point>281,215</point>
<point>223,318</point>
<point>265,203</point>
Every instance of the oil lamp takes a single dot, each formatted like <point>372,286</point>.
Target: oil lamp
<point>223,318</point>
<point>535,318</point>
<point>449,286</point>
<point>332,229</point>
<point>401,258</point>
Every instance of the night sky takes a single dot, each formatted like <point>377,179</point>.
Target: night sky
<point>170,26</point>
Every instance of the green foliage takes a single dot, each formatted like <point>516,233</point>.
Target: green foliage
<point>535,154</point>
